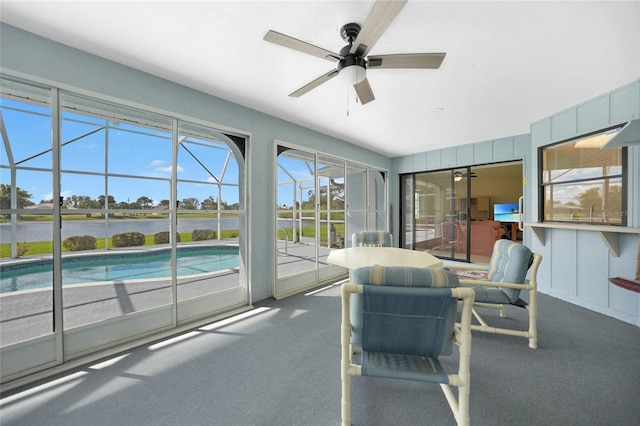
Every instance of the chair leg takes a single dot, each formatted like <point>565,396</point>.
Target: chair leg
<point>346,397</point>
<point>463,405</point>
<point>532,310</point>
<point>479,318</point>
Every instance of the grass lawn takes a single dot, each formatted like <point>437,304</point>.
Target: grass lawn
<point>46,247</point>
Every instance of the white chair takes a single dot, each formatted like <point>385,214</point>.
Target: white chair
<point>371,239</point>
<point>404,320</point>
<point>500,283</point>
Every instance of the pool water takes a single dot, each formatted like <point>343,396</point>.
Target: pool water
<point>91,269</point>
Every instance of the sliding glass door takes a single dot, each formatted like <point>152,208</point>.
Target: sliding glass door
<point>435,213</point>
<point>321,201</point>
<point>454,214</point>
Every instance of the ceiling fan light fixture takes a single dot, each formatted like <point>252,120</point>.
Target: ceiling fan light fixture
<point>457,176</point>
<point>353,74</point>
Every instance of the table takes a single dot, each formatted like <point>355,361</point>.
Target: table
<point>356,257</point>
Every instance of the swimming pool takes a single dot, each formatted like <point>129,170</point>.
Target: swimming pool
<point>117,267</point>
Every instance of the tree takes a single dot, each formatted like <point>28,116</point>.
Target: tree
<point>85,202</point>
<point>209,203</point>
<point>163,203</point>
<point>144,202</point>
<point>110,200</point>
<point>590,199</point>
<point>190,203</point>
<point>23,198</point>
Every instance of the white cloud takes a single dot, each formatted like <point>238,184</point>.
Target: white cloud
<point>49,196</point>
<point>167,169</point>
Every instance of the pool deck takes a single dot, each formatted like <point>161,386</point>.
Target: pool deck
<point>29,314</point>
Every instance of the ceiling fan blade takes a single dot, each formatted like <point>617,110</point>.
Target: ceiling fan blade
<point>300,46</point>
<point>406,60</point>
<point>381,15</point>
<point>315,83</point>
<point>363,89</point>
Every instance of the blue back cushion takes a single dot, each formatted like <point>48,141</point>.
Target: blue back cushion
<point>386,318</point>
<point>509,263</point>
<point>371,239</point>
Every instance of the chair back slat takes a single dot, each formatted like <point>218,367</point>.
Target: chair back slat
<point>412,321</point>
<point>406,315</point>
<point>372,239</point>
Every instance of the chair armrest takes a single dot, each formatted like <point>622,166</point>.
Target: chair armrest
<point>486,283</point>
<point>456,267</point>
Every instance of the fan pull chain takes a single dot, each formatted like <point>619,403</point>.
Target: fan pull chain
<point>347,100</point>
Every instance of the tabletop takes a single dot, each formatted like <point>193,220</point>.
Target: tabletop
<point>356,257</point>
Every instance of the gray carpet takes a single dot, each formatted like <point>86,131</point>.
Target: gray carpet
<point>280,366</point>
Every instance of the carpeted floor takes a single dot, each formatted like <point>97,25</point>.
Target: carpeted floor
<point>279,365</point>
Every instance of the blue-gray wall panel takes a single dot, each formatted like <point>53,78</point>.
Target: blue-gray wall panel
<point>625,104</point>
<point>404,164</point>
<point>563,244</point>
<point>541,132</point>
<point>503,149</point>
<point>433,160</point>
<point>464,155</point>
<point>584,263</point>
<point>521,146</point>
<point>448,157</point>
<point>593,115</point>
<point>622,300</point>
<point>590,247</point>
<point>420,161</point>
<point>563,125</point>
<point>483,152</point>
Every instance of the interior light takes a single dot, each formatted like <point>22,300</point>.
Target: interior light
<point>597,141</point>
<point>457,176</point>
<point>353,74</point>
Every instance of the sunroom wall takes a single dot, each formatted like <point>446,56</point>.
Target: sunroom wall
<point>492,151</point>
<point>576,263</point>
<point>25,55</point>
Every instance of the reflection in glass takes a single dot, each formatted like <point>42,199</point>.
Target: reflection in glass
<point>583,183</point>
<point>296,227</point>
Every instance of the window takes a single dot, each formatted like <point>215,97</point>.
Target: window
<point>115,223</point>
<point>582,183</point>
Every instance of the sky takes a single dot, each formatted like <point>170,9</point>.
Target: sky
<point>140,155</point>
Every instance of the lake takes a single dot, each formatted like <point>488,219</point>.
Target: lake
<point>43,231</point>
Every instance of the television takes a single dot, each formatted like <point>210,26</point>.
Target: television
<point>506,212</point>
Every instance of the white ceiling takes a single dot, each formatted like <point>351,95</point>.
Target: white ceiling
<point>508,64</point>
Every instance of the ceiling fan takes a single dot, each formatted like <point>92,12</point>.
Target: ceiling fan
<point>352,60</point>
<point>457,176</point>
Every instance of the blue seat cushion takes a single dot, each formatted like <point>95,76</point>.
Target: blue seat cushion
<point>380,364</point>
<point>490,295</point>
<point>509,263</point>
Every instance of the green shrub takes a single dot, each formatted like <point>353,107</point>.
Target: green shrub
<point>203,234</point>
<point>163,237</point>
<point>80,242</point>
<point>22,248</point>
<point>128,239</point>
